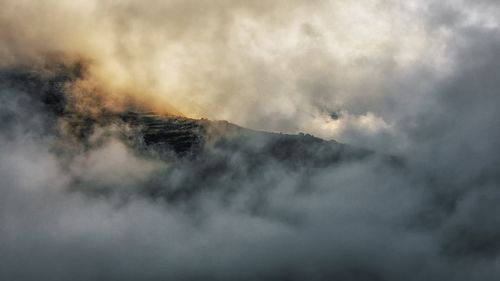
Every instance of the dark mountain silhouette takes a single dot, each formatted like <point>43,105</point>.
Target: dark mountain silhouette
<point>207,148</point>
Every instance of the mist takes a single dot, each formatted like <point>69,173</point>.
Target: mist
<point>413,86</point>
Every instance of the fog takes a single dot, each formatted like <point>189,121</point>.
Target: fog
<point>417,81</point>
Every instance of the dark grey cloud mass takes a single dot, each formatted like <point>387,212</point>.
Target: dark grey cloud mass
<point>94,207</point>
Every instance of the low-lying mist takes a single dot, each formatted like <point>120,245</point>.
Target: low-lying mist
<point>96,206</point>
<point>410,191</point>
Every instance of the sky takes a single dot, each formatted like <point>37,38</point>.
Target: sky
<point>414,79</point>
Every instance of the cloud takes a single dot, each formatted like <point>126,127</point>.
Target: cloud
<point>273,66</point>
<point>417,79</point>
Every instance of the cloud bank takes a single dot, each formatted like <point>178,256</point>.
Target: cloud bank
<point>280,66</point>
<point>419,80</point>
